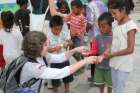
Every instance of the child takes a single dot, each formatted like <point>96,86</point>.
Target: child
<point>77,22</point>
<point>35,45</point>
<point>58,43</point>
<point>99,45</point>
<point>121,54</point>
<point>94,9</point>
<point>102,70</point>
<point>22,17</point>
<point>63,11</point>
<point>10,37</point>
<point>63,7</point>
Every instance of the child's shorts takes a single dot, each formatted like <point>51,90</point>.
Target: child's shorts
<point>68,79</point>
<point>103,76</point>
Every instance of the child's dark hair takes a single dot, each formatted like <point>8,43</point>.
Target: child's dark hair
<point>77,3</point>
<point>7,18</point>
<point>33,44</point>
<point>106,16</point>
<point>122,4</point>
<point>61,3</point>
<point>22,2</point>
<point>56,21</point>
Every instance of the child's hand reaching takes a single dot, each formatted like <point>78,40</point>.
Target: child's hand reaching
<point>67,43</point>
<point>100,59</point>
<point>107,53</point>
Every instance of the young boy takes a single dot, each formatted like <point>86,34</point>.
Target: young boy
<point>103,41</point>
<point>102,70</point>
<point>94,9</point>
<point>58,43</point>
<point>77,22</point>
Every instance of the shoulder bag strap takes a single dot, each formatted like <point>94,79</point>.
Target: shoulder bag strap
<point>32,81</point>
<point>39,88</point>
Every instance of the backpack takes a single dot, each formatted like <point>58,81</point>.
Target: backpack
<point>10,77</point>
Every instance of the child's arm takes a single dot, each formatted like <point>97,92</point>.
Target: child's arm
<point>55,49</point>
<point>53,10</point>
<point>130,46</point>
<point>58,47</point>
<point>67,43</point>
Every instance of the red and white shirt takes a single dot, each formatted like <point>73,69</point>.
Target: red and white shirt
<point>77,24</point>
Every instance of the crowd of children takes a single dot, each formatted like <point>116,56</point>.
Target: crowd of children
<point>111,36</point>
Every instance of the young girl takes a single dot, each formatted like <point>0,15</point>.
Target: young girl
<point>10,37</point>
<point>124,30</point>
